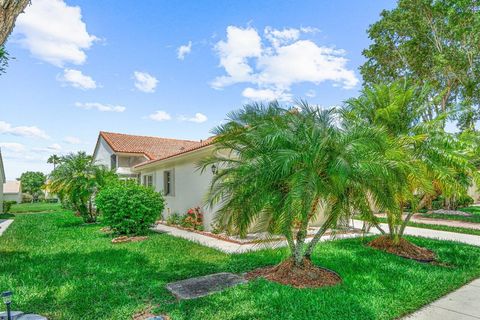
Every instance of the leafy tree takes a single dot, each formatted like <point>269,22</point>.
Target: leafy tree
<point>32,183</point>
<point>54,159</point>
<point>282,169</point>
<point>77,179</point>
<point>431,161</point>
<point>435,42</point>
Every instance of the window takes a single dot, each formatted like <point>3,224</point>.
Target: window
<point>168,183</point>
<point>147,181</point>
<point>113,161</point>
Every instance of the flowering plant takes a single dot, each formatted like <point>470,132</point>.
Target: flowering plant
<point>194,218</point>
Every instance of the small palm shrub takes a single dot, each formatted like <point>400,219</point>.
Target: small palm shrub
<point>174,219</point>
<point>129,208</point>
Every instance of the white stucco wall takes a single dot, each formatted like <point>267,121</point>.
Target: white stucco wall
<point>1,190</point>
<point>190,186</point>
<point>17,197</point>
<point>474,193</point>
<point>103,153</point>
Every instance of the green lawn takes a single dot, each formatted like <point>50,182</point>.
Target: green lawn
<point>59,267</point>
<point>34,207</point>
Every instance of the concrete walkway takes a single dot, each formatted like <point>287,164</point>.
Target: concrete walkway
<point>429,233</point>
<point>4,224</point>
<point>230,247</point>
<point>462,304</point>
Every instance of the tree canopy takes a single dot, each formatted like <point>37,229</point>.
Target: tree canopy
<point>32,182</point>
<point>435,42</point>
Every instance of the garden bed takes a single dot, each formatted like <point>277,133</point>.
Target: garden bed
<point>403,249</point>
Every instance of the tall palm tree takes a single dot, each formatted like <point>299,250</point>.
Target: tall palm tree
<point>78,179</point>
<point>433,160</point>
<point>54,159</point>
<point>280,169</point>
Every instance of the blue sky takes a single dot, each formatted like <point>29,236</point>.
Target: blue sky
<point>168,68</point>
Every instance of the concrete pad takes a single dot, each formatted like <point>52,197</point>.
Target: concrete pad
<point>203,286</point>
<point>435,313</point>
<point>465,300</point>
<point>15,315</point>
<point>475,283</point>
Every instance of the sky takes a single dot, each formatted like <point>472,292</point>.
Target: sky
<point>168,68</point>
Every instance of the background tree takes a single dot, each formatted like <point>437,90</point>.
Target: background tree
<point>32,183</point>
<point>78,179</point>
<point>435,42</point>
<point>53,159</point>
<point>281,169</point>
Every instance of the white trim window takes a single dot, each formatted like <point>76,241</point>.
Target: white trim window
<point>168,183</point>
<point>147,180</point>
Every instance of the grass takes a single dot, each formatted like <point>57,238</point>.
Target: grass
<point>475,217</point>
<point>34,207</point>
<point>59,267</point>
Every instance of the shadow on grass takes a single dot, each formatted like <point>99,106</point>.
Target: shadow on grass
<point>7,216</point>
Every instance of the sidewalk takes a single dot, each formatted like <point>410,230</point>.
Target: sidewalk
<point>4,224</point>
<point>428,233</point>
<point>462,304</point>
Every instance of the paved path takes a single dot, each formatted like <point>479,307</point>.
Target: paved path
<point>462,304</point>
<point>429,233</point>
<point>4,224</point>
<point>442,222</point>
<point>230,247</point>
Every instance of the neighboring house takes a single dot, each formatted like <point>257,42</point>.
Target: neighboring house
<point>121,152</point>
<point>12,191</point>
<point>167,165</point>
<point>2,181</point>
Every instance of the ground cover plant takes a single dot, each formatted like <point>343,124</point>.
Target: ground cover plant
<point>65,269</point>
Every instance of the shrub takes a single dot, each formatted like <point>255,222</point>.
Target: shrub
<point>26,198</point>
<point>174,219</point>
<point>463,201</point>
<point>129,208</point>
<point>193,219</point>
<point>7,205</point>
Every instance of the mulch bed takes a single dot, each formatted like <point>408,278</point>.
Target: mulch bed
<point>403,249</point>
<point>128,239</point>
<point>307,276</point>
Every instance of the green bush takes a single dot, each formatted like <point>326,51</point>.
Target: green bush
<point>7,205</point>
<point>175,219</point>
<point>129,208</point>
<point>463,201</point>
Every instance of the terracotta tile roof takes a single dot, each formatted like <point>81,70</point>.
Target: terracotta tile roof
<point>199,145</point>
<point>152,147</point>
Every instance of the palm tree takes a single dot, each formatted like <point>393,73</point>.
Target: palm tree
<point>432,161</point>
<point>54,159</point>
<point>281,169</point>
<point>78,179</point>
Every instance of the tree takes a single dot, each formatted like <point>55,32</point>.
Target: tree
<point>9,11</point>
<point>281,169</point>
<point>77,178</point>
<point>32,183</point>
<point>432,161</point>
<point>435,42</point>
<point>54,159</point>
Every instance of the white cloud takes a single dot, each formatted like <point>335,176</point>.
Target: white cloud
<point>274,68</point>
<point>54,32</point>
<point>266,94</point>
<point>160,115</point>
<point>72,140</point>
<point>51,148</point>
<point>23,131</point>
<point>77,79</point>
<point>183,50</point>
<point>198,118</point>
<point>145,82</point>
<point>12,146</point>
<point>100,106</point>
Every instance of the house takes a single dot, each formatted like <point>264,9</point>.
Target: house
<point>167,165</point>
<point>2,181</point>
<point>12,191</point>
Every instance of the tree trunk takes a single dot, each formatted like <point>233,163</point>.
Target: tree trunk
<point>9,11</point>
